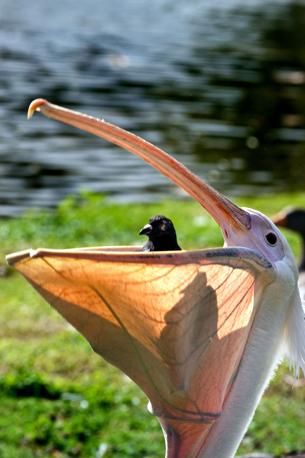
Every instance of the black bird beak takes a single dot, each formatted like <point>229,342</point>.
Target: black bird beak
<point>146,230</point>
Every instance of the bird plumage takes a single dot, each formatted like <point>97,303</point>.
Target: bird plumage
<point>294,219</point>
<point>161,234</point>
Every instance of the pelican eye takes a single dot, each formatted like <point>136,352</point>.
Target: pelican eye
<point>271,238</point>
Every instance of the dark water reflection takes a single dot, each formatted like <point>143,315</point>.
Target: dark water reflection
<point>218,84</point>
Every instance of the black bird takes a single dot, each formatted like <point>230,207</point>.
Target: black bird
<point>293,219</point>
<point>161,235</point>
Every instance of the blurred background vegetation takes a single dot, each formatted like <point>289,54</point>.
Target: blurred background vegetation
<point>221,87</point>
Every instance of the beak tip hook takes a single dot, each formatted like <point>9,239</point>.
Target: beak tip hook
<point>35,106</point>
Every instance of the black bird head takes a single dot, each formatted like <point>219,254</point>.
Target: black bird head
<point>291,218</point>
<point>161,234</point>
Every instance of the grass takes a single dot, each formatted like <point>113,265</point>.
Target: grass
<point>59,399</point>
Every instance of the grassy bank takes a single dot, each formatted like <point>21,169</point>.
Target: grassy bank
<point>58,398</point>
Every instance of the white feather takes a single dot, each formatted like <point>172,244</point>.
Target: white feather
<point>295,331</point>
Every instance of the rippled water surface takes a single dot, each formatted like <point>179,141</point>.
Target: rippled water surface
<point>219,84</point>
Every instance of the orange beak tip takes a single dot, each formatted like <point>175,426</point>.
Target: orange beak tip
<point>280,220</point>
<point>35,106</point>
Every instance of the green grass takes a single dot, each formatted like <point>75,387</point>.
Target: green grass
<point>59,399</point>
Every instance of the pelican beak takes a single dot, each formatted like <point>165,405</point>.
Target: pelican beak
<point>224,212</point>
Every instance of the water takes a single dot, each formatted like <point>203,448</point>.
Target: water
<point>220,85</point>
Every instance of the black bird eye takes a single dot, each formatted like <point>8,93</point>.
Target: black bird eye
<point>271,238</point>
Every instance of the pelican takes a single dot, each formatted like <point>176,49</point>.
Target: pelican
<point>201,331</point>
